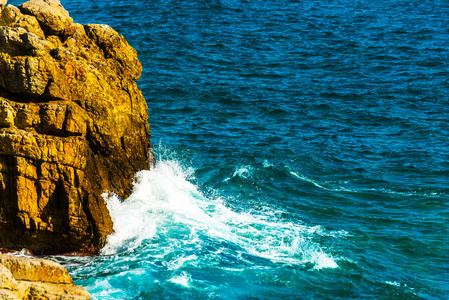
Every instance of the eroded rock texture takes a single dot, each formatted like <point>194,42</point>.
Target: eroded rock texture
<point>73,124</point>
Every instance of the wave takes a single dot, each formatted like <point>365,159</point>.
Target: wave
<point>166,210</point>
<point>419,192</point>
<point>243,172</point>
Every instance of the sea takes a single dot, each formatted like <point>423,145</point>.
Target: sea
<point>302,151</point>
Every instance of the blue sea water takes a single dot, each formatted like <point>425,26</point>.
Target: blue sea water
<point>303,151</point>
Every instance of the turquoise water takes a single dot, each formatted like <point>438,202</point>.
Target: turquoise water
<point>303,152</point>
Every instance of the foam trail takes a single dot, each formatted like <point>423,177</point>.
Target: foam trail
<point>304,178</point>
<point>165,204</point>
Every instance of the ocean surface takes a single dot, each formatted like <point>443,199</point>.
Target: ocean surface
<point>302,146</point>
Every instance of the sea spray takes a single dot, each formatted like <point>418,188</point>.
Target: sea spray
<point>169,235</point>
<point>164,202</point>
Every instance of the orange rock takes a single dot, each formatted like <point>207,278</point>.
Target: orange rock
<point>30,278</point>
<point>73,125</point>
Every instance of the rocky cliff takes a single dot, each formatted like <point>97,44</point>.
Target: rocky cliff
<point>73,125</point>
<point>26,278</point>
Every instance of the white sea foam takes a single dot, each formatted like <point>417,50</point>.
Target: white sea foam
<point>403,286</point>
<point>243,172</point>
<point>179,262</point>
<point>391,191</point>
<point>307,179</point>
<point>320,185</point>
<point>395,283</point>
<point>182,279</point>
<point>266,164</point>
<point>414,193</point>
<point>165,204</point>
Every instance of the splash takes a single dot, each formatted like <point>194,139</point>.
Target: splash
<point>182,279</point>
<point>166,206</point>
<point>243,172</point>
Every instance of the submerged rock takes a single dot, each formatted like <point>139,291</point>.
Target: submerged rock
<point>29,278</point>
<point>73,125</point>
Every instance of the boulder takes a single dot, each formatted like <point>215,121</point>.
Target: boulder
<point>73,125</point>
<point>50,14</point>
<point>31,278</point>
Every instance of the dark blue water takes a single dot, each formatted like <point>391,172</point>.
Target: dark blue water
<point>303,151</point>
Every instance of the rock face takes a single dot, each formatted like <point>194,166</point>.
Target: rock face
<point>26,278</point>
<point>73,125</point>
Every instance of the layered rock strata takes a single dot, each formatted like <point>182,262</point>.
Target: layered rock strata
<point>26,278</point>
<point>73,125</point>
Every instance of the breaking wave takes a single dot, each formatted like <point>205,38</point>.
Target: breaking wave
<point>166,206</point>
